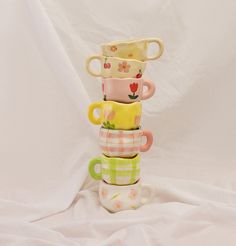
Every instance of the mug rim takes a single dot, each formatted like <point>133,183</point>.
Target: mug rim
<point>122,104</point>
<point>123,59</point>
<point>128,41</point>
<point>115,130</point>
<point>135,158</point>
<point>123,79</point>
<point>112,186</point>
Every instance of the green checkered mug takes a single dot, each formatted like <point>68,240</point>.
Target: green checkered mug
<point>113,170</point>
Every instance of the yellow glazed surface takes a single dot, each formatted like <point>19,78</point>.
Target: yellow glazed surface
<point>115,67</point>
<point>133,49</point>
<point>114,115</point>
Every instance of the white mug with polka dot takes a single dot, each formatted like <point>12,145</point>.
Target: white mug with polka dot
<point>123,197</point>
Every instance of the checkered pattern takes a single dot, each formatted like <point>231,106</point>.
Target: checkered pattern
<point>120,143</point>
<point>120,172</point>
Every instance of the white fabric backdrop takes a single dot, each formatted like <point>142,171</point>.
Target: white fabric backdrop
<point>46,140</point>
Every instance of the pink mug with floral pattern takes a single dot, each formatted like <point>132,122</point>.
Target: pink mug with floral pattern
<point>123,197</point>
<point>127,90</point>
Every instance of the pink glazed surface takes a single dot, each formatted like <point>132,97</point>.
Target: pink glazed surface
<point>127,90</point>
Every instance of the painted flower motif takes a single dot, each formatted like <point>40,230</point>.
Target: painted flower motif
<point>117,205</point>
<point>137,120</point>
<point>104,193</point>
<point>113,48</point>
<point>133,87</point>
<point>133,194</point>
<point>123,67</point>
<point>109,114</point>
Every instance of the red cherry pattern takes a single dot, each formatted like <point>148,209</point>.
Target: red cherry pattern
<point>107,65</point>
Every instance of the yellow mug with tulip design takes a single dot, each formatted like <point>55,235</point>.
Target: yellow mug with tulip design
<point>114,115</point>
<point>114,67</point>
<point>133,49</point>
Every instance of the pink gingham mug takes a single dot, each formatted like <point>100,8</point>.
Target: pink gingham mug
<point>124,143</point>
<point>127,90</point>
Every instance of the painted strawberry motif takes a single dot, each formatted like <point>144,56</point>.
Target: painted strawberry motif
<point>139,75</point>
<point>133,87</point>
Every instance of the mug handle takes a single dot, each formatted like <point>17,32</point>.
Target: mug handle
<point>91,109</point>
<point>91,167</point>
<point>90,71</point>
<point>160,50</point>
<point>151,193</point>
<point>149,141</point>
<point>150,89</point>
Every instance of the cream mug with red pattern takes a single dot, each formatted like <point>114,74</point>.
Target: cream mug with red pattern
<point>122,197</point>
<point>124,143</point>
<point>133,49</point>
<point>115,67</point>
<point>127,90</point>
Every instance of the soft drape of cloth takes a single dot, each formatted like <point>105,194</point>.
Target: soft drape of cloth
<point>46,140</point>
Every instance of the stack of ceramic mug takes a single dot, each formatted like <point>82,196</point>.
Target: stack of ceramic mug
<point>118,167</point>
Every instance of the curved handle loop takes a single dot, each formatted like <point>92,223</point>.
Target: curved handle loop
<point>150,193</point>
<point>151,88</point>
<point>88,62</point>
<point>92,164</point>
<point>159,51</point>
<point>149,141</point>
<point>92,118</point>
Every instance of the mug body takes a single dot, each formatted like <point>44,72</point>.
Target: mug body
<point>121,143</point>
<point>115,67</point>
<point>126,90</point>
<point>121,116</point>
<point>114,115</point>
<point>116,171</point>
<point>116,198</point>
<point>133,49</point>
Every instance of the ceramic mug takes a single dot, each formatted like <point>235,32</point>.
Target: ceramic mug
<point>115,67</point>
<point>124,143</point>
<point>115,115</point>
<point>127,90</point>
<point>133,49</point>
<point>116,198</point>
<point>117,171</point>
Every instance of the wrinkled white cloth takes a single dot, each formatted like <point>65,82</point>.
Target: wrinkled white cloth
<point>46,196</point>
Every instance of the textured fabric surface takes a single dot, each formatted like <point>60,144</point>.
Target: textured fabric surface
<point>46,195</point>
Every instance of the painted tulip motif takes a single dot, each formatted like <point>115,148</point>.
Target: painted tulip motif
<point>109,115</point>
<point>133,87</point>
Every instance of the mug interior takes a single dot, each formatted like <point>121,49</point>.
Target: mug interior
<point>124,186</point>
<point>123,42</point>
